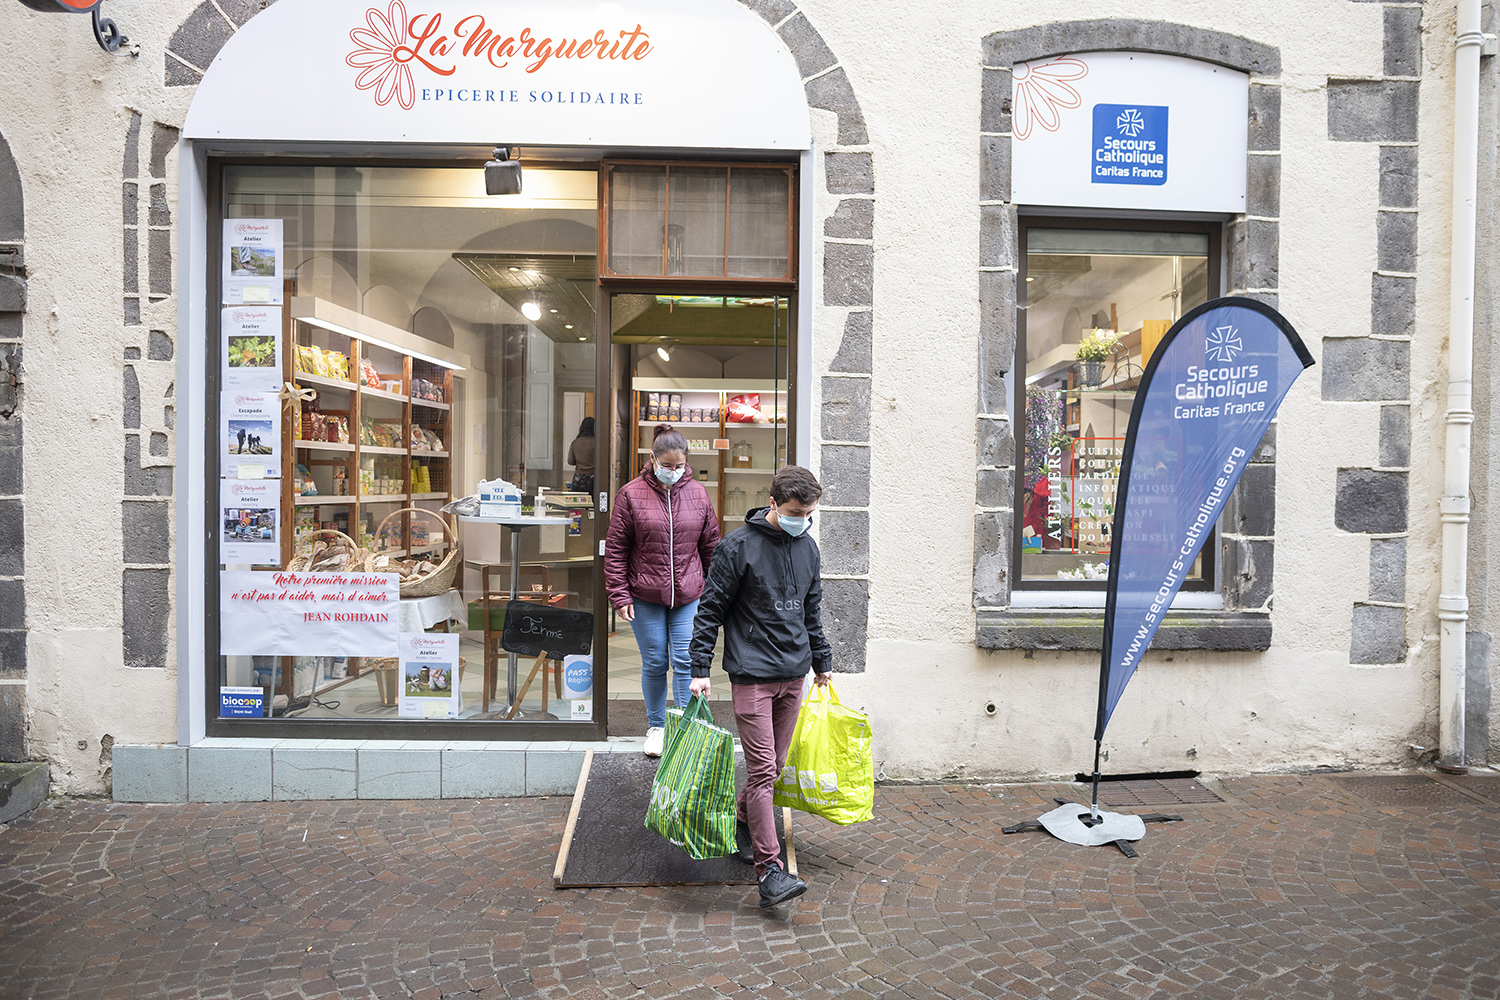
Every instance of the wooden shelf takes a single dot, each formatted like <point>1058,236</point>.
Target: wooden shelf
<point>314,501</point>
<point>429,496</point>
<point>323,445</point>
<point>305,378</point>
<point>368,498</point>
<point>372,449</point>
<point>428,454</point>
<point>430,404</point>
<point>394,397</point>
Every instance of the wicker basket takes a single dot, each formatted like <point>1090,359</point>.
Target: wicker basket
<point>440,580</point>
<point>337,541</point>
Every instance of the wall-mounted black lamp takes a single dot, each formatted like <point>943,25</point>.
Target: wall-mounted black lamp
<point>106,32</point>
<point>502,175</point>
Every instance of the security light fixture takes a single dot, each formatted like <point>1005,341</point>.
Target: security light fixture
<point>664,352</point>
<point>502,175</point>
<point>531,311</point>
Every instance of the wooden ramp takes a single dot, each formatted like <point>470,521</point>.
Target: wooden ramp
<point>606,842</point>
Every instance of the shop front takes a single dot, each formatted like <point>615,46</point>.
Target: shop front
<point>502,248</point>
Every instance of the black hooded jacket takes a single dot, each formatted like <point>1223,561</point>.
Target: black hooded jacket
<point>764,590</point>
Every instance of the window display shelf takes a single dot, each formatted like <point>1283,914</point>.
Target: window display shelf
<point>323,445</point>
<point>750,472</point>
<point>426,454</point>
<point>430,404</point>
<point>371,449</point>
<point>394,397</point>
<point>382,498</point>
<point>429,496</point>
<point>312,501</point>
<point>306,378</point>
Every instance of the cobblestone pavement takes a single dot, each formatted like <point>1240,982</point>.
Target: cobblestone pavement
<point>1292,887</point>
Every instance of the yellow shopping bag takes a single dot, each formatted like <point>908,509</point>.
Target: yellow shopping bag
<point>830,768</point>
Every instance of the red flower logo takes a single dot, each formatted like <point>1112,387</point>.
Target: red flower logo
<point>382,56</point>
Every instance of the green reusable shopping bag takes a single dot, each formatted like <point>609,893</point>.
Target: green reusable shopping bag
<point>692,796</point>
<point>830,768</point>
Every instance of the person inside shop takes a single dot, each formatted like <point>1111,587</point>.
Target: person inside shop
<point>662,535</point>
<point>581,457</point>
<point>764,590</point>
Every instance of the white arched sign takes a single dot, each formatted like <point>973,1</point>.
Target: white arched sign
<point>666,73</point>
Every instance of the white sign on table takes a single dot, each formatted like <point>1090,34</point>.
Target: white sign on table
<point>430,687</point>
<point>308,614</point>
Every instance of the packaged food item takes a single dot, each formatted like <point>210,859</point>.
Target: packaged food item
<point>653,406</point>
<point>743,409</point>
<point>674,406</point>
<point>370,375</point>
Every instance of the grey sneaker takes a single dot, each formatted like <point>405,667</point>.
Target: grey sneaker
<point>776,886</point>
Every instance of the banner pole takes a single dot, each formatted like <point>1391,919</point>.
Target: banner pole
<point>1094,801</point>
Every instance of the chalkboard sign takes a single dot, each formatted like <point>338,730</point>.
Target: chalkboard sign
<point>531,628</point>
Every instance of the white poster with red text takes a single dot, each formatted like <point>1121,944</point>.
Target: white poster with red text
<point>308,614</point>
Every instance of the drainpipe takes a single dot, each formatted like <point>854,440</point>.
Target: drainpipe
<point>1453,601</point>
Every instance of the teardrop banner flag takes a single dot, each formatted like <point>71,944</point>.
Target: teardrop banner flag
<point>1205,400</point>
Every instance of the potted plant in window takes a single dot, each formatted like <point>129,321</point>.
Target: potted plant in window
<point>1091,354</point>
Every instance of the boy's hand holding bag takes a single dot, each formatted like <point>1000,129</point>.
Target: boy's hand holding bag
<point>692,796</point>
<point>830,768</point>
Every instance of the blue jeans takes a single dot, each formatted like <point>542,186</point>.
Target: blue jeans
<point>663,635</point>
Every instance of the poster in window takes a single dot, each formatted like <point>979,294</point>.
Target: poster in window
<point>276,613</point>
<point>249,435</point>
<point>250,522</point>
<point>430,687</point>
<point>252,261</point>
<point>251,348</point>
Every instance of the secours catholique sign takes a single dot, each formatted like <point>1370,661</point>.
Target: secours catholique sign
<point>686,73</point>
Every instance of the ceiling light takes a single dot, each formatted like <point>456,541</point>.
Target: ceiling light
<point>515,269</point>
<point>552,310</point>
<point>1030,279</point>
<point>665,353</point>
<point>583,338</point>
<point>502,175</point>
<point>531,311</point>
<point>567,326</point>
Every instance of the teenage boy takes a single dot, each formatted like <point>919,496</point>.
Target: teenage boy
<point>764,591</point>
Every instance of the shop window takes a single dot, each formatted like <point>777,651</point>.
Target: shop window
<point>1096,299</point>
<point>697,221</point>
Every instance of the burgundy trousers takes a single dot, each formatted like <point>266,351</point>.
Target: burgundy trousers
<point>767,716</point>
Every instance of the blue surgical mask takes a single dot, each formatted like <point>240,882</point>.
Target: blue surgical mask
<point>669,476</point>
<point>793,526</point>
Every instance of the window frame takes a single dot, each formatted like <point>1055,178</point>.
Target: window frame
<point>1140,224</point>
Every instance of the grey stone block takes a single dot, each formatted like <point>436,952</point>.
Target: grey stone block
<point>1251,508</point>
<point>1265,117</point>
<point>1395,436</point>
<point>12,202</point>
<point>849,173</point>
<point>12,299</point>
<point>1372,110</point>
<point>148,609</point>
<point>1398,176</point>
<point>149,773</point>
<point>1263,186</point>
<point>228,774</point>
<point>854,219</point>
<point>23,787</point>
<point>1477,696</point>
<point>846,409</point>
<point>201,36</point>
<point>130,209</point>
<point>158,444</point>
<point>306,773</point>
<point>163,141</point>
<point>179,74</point>
<point>12,440</point>
<point>131,313</point>
<point>10,322</point>
<point>807,46</point>
<point>484,774</point>
<point>139,482</point>
<point>161,213</point>
<point>1371,502</point>
<point>772,11</point>
<point>147,532</point>
<point>844,541</point>
<point>12,538</point>
<point>1360,368</point>
<point>240,11</point>
<point>12,376</point>
<point>1403,41</point>
<point>994,102</point>
<point>997,236</point>
<point>132,399</point>
<point>1248,573</point>
<point>13,656</point>
<point>832,92</point>
<point>131,164</point>
<point>855,354</point>
<point>553,772</point>
<point>846,617</point>
<point>400,774</point>
<point>997,445</point>
<point>992,553</point>
<point>160,257</point>
<point>845,473</point>
<point>132,260</point>
<point>1262,267</point>
<point>132,354</point>
<point>994,168</point>
<point>1379,635</point>
<point>1388,569</point>
<point>997,337</point>
<point>12,604</point>
<point>1396,241</point>
<point>12,722</point>
<point>995,488</point>
<point>848,274</point>
<point>1131,34</point>
<point>1082,630</point>
<point>1393,306</point>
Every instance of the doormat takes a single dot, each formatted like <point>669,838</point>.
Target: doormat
<point>606,842</point>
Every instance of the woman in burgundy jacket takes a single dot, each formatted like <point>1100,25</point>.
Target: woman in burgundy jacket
<point>662,534</point>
